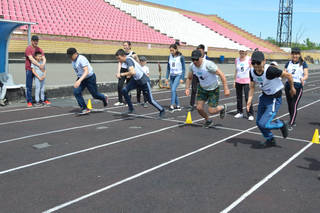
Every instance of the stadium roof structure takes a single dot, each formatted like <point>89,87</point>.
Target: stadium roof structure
<point>7,27</point>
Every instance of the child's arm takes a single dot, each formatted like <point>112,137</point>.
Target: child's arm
<point>35,74</point>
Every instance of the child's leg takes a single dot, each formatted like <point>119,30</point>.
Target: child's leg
<point>3,92</point>
<point>42,90</point>
<point>37,90</point>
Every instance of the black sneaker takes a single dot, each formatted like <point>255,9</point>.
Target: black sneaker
<point>171,109</point>
<point>208,124</point>
<point>269,143</point>
<point>178,108</point>
<point>38,104</point>
<point>162,114</point>
<point>105,102</point>
<point>284,129</point>
<point>128,112</point>
<point>84,112</point>
<point>223,112</point>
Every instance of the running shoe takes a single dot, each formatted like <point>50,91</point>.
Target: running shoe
<point>239,115</point>
<point>284,129</point>
<point>128,112</point>
<point>105,101</point>
<point>290,127</point>
<point>171,109</point>
<point>2,102</point>
<point>162,114</point>
<point>208,124</point>
<point>178,108</point>
<point>223,112</point>
<point>29,104</point>
<point>250,118</point>
<point>269,143</point>
<point>118,104</point>
<point>84,112</point>
<point>47,102</point>
<point>37,104</point>
<point>145,105</point>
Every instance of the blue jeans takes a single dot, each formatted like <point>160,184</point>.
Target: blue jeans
<point>174,83</point>
<point>29,81</point>
<point>91,84</point>
<point>267,110</point>
<point>146,89</point>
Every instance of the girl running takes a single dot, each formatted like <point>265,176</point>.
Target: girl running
<point>298,68</point>
<point>242,81</point>
<point>176,70</point>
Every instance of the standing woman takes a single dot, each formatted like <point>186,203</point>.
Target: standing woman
<point>242,81</point>
<point>298,68</point>
<point>175,70</point>
<point>122,68</point>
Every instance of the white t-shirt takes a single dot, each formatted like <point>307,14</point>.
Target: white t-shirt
<point>79,64</point>
<point>145,69</point>
<point>206,74</point>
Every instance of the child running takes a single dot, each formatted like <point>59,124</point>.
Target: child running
<point>176,71</point>
<point>269,80</point>
<point>208,90</point>
<point>86,78</point>
<point>145,69</point>
<point>139,80</point>
<point>298,68</point>
<point>40,76</point>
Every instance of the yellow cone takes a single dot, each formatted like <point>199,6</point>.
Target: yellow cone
<point>189,119</point>
<point>315,138</point>
<point>89,105</point>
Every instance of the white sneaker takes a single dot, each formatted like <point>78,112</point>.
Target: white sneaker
<point>250,118</point>
<point>239,115</point>
<point>118,104</point>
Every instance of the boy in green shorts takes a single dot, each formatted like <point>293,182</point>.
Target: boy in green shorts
<point>208,90</point>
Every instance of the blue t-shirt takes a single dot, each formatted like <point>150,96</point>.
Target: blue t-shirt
<point>79,64</point>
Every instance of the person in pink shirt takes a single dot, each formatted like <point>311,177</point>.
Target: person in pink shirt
<point>241,83</point>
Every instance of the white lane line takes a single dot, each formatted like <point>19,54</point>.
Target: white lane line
<point>264,180</point>
<point>73,128</point>
<point>58,207</point>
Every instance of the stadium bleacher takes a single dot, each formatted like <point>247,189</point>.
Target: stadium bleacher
<point>93,19</point>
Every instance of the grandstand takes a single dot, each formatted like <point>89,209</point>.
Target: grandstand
<point>99,27</point>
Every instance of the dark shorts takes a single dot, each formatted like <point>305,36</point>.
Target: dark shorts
<point>211,96</point>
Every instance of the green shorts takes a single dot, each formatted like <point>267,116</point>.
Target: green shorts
<point>211,96</point>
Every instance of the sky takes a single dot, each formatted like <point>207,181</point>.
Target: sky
<point>258,16</point>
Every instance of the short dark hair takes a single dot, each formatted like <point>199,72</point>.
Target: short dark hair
<point>71,51</point>
<point>37,53</point>
<point>128,42</point>
<point>120,52</point>
<point>200,46</point>
<point>174,46</point>
<point>34,38</point>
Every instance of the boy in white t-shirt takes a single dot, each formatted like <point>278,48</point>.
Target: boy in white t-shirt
<point>145,68</point>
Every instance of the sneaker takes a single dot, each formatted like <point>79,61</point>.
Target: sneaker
<point>29,104</point>
<point>162,114</point>
<point>208,123</point>
<point>284,129</point>
<point>2,102</point>
<point>223,112</point>
<point>37,104</point>
<point>239,115</point>
<point>118,104</point>
<point>145,105</point>
<point>290,127</point>
<point>250,118</point>
<point>128,112</point>
<point>171,109</point>
<point>269,143</point>
<point>47,102</point>
<point>178,108</point>
<point>105,101</point>
<point>84,112</point>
